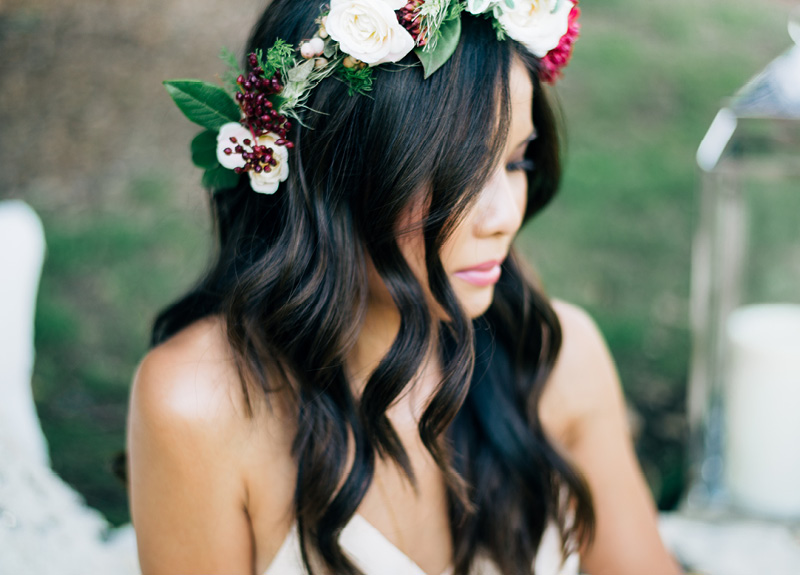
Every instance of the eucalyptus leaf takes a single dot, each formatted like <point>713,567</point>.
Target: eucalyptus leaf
<point>204,150</point>
<point>204,104</point>
<point>219,178</point>
<point>330,48</point>
<point>302,72</point>
<point>449,35</point>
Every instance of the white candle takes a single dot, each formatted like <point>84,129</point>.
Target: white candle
<point>762,452</point>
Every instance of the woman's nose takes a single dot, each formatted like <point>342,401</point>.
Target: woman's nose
<point>501,206</point>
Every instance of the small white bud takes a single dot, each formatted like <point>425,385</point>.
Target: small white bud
<point>307,50</point>
<point>317,45</point>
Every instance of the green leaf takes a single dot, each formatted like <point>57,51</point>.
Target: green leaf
<point>204,150</point>
<point>219,178</point>
<point>232,71</point>
<point>205,104</point>
<point>229,58</point>
<point>499,30</point>
<point>330,48</point>
<point>449,35</point>
<point>279,57</point>
<point>358,80</point>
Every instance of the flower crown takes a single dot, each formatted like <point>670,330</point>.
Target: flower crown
<point>248,133</point>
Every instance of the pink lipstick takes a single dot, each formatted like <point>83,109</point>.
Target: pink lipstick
<point>485,274</point>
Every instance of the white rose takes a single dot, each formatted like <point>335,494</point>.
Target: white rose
<point>368,30</point>
<point>265,182</point>
<point>536,24</point>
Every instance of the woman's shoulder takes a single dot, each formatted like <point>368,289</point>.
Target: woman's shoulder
<point>191,439</point>
<point>190,377</point>
<point>188,425</point>
<point>189,388</point>
<point>584,382</point>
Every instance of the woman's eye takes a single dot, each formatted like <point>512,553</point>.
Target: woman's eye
<point>525,165</point>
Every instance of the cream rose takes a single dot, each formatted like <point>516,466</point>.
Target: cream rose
<point>536,24</point>
<point>368,30</point>
<point>264,182</point>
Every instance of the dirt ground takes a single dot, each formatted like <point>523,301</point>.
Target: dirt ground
<point>82,108</point>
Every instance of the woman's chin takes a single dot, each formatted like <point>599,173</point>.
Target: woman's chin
<point>475,303</point>
<point>478,301</point>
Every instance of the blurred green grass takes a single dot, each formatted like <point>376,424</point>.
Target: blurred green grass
<point>644,84</point>
<point>107,273</point>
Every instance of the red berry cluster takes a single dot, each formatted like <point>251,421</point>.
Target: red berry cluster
<point>260,116</point>
<point>409,18</point>
<point>259,159</point>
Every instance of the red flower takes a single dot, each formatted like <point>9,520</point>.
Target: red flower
<point>558,57</point>
<point>409,18</point>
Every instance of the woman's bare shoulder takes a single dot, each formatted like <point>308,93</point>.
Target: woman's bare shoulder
<point>184,441</point>
<point>191,377</point>
<point>584,381</point>
<point>190,438</point>
<point>585,400</point>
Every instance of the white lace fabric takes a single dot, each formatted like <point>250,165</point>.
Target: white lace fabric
<point>46,528</point>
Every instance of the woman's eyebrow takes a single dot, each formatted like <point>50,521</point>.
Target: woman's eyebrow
<point>528,139</point>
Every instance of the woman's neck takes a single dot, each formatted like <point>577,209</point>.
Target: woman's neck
<point>380,328</point>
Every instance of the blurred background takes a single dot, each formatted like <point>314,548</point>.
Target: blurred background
<point>90,139</point>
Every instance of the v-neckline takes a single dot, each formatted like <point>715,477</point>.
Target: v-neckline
<point>381,556</point>
<point>379,535</point>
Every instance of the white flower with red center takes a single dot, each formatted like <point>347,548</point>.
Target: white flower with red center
<point>539,25</point>
<point>368,30</point>
<point>262,158</point>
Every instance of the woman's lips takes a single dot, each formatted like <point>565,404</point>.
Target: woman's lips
<point>485,274</point>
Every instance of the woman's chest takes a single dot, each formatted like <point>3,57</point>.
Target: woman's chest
<point>392,516</point>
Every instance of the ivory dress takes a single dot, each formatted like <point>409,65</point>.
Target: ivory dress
<point>374,554</point>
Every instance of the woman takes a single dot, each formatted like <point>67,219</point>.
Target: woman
<point>365,380</point>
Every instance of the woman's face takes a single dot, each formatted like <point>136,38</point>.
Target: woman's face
<point>473,254</point>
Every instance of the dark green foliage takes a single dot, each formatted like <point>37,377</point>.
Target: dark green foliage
<point>432,60</point>
<point>359,81</point>
<point>204,150</point>
<point>204,104</point>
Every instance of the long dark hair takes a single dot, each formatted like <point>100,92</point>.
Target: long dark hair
<point>290,280</point>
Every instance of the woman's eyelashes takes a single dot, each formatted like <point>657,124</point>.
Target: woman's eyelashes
<point>525,165</point>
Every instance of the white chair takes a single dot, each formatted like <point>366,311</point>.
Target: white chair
<point>21,257</point>
<point>45,526</point>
